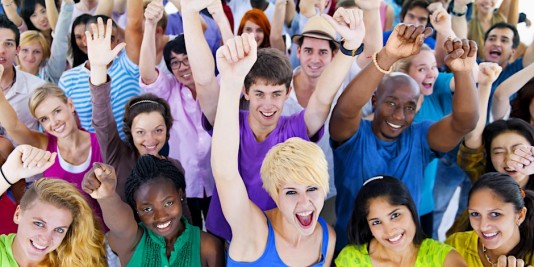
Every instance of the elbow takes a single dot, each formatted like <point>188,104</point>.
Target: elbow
<point>465,123</point>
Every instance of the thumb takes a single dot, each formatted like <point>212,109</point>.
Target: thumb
<point>253,46</point>
<point>117,49</point>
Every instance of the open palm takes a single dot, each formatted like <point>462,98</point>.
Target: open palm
<point>99,51</point>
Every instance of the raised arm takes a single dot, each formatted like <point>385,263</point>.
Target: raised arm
<point>200,57</point>
<point>105,8</point>
<point>373,30</point>
<point>51,13</point>
<point>528,57</point>
<point>349,24</point>
<point>247,221</point>
<point>445,134</point>
<point>405,40</point>
<point>133,35</point>
<point>58,57</point>
<point>124,233</point>
<point>442,23</point>
<point>147,61</point>
<point>217,13</point>
<point>501,99</point>
<point>510,10</point>
<point>25,161</point>
<point>10,9</point>
<point>275,37</point>
<point>15,128</point>
<point>487,75</point>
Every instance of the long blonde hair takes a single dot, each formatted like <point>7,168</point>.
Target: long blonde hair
<point>83,244</point>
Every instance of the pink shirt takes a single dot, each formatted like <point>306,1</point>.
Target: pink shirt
<point>189,142</point>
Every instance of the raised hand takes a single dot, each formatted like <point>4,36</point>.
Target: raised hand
<point>441,20</point>
<point>488,73</point>
<point>100,182</point>
<point>406,40</point>
<point>99,51</point>
<point>196,5</point>
<point>237,56</point>
<point>522,160</point>
<point>26,161</point>
<point>461,54</point>
<point>154,12</point>
<point>368,4</point>
<point>349,24</point>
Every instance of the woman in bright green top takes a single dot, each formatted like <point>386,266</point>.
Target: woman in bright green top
<point>385,231</point>
<point>56,226</point>
<point>502,216</point>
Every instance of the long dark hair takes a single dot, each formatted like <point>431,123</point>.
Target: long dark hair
<point>396,193</point>
<point>509,191</point>
<point>79,56</point>
<point>498,127</point>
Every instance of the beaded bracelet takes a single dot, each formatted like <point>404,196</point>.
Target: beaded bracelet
<point>378,67</point>
<point>5,178</point>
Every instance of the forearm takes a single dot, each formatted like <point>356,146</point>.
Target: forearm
<point>373,36</point>
<point>275,38</point>
<point>57,62</point>
<point>289,12</point>
<point>459,26</point>
<point>118,216</point>
<point>147,63</point>
<point>133,35</point>
<point>52,13</point>
<point>119,6</point>
<point>6,180</point>
<point>473,139</point>
<point>10,9</point>
<point>465,112</point>
<point>222,23</point>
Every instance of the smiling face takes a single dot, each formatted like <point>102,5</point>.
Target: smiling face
<point>392,226</point>
<point>498,46</point>
<point>301,205</point>
<point>495,221</point>
<point>253,28</point>
<point>41,229</point>
<point>149,133</point>
<point>79,34</point>
<point>504,145</point>
<point>485,6</point>
<point>181,70</point>
<point>8,48</point>
<point>423,69</point>
<point>395,106</point>
<point>266,103</point>
<point>56,117</point>
<point>39,18</point>
<point>158,205</point>
<point>314,55</point>
<point>30,56</point>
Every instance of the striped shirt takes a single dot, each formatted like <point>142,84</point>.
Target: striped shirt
<point>124,85</point>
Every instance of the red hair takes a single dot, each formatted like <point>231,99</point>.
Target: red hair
<point>259,18</point>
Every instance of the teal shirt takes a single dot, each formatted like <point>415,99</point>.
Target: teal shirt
<point>6,254</point>
<point>151,250</point>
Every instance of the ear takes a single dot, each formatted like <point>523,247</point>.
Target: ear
<point>298,51</point>
<point>245,94</point>
<point>70,104</point>
<point>521,216</point>
<point>16,215</point>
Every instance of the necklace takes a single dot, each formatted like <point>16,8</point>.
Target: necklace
<point>484,250</point>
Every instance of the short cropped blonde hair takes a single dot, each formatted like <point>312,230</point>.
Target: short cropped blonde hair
<point>29,37</point>
<point>294,160</point>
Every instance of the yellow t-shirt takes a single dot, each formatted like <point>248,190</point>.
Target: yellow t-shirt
<point>466,243</point>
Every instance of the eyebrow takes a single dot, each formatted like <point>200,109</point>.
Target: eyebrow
<point>389,214</point>
<point>43,221</point>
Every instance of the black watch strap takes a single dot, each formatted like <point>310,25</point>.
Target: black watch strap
<point>348,52</point>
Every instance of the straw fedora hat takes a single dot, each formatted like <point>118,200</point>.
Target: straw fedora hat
<point>317,27</point>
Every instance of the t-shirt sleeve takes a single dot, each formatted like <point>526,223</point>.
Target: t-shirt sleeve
<point>298,128</point>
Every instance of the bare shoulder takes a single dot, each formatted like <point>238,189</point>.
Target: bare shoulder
<point>211,250</point>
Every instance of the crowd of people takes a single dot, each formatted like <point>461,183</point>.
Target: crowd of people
<point>265,133</point>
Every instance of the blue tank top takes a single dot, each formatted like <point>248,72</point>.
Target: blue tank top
<point>270,255</point>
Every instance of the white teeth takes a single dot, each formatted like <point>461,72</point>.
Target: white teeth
<point>267,114</point>
<point>186,75</point>
<point>395,239</point>
<point>489,235</point>
<point>164,225</point>
<point>150,147</point>
<point>303,214</point>
<point>393,125</point>
<point>60,128</point>
<point>38,246</point>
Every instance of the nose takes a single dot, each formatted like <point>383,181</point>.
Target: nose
<point>484,224</point>
<point>159,214</point>
<point>398,114</point>
<point>303,198</point>
<point>44,238</point>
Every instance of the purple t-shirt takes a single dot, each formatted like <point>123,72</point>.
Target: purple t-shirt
<point>251,155</point>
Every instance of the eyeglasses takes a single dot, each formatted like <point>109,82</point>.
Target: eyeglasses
<point>175,64</point>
